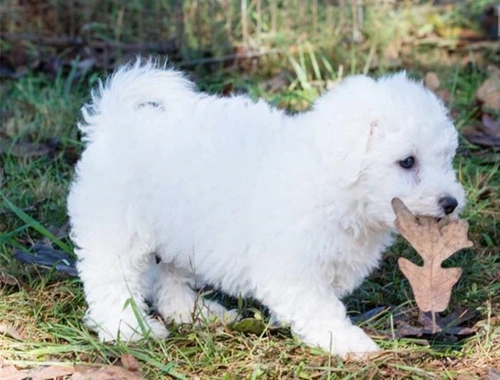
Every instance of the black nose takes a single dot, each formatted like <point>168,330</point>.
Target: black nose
<point>448,204</point>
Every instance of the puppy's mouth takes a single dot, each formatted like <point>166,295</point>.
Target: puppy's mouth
<point>442,220</point>
<point>436,214</point>
<point>440,216</point>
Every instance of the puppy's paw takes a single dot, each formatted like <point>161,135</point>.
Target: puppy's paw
<point>345,340</point>
<point>156,329</point>
<point>218,313</point>
<point>205,311</point>
<point>131,331</point>
<point>353,343</point>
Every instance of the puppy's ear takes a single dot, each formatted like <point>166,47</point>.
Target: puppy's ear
<point>374,132</point>
<point>358,156</point>
<point>348,123</point>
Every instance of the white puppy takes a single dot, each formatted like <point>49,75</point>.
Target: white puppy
<point>293,211</point>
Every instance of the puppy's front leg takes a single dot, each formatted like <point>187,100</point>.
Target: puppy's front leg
<point>317,316</point>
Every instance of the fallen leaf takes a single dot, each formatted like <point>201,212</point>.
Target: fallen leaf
<point>48,257</point>
<point>449,324</point>
<point>478,137</point>
<point>9,372</point>
<point>107,372</point>
<point>130,363</point>
<point>8,279</point>
<point>431,283</point>
<point>489,92</point>
<point>10,331</point>
<point>23,149</point>
<point>392,54</point>
<point>490,125</point>
<point>430,324</point>
<point>444,95</point>
<point>485,134</point>
<point>45,373</point>
<point>405,330</point>
<point>431,81</point>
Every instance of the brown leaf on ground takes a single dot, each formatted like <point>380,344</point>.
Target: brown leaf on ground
<point>485,134</point>
<point>449,324</point>
<point>432,81</point>
<point>444,94</point>
<point>431,284</point>
<point>10,331</point>
<point>488,94</point>
<point>492,126</point>
<point>23,149</point>
<point>448,328</point>
<point>130,363</point>
<point>107,372</point>
<point>10,372</point>
<point>45,373</point>
<point>8,279</point>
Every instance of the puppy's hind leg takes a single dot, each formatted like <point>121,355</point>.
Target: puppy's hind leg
<point>115,282</point>
<point>176,300</point>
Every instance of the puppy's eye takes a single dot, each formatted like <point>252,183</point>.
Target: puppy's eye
<point>407,163</point>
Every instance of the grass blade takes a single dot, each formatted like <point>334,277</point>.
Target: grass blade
<point>301,75</point>
<point>314,62</point>
<point>36,225</point>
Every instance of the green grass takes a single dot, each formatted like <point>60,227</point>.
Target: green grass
<point>47,308</point>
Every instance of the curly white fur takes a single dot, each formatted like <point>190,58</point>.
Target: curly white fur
<point>291,210</point>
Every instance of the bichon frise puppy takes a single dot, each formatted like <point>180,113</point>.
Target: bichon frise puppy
<point>177,188</point>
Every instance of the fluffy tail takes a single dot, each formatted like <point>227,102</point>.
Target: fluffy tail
<point>129,88</point>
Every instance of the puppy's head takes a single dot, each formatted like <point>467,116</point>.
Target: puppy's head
<point>400,143</point>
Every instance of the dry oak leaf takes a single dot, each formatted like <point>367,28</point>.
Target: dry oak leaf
<point>489,92</point>
<point>130,363</point>
<point>431,283</point>
<point>9,330</point>
<point>432,81</point>
<point>486,134</point>
<point>10,372</point>
<point>107,372</point>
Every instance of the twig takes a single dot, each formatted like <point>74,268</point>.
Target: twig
<point>224,58</point>
<point>244,22</point>
<point>64,41</point>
